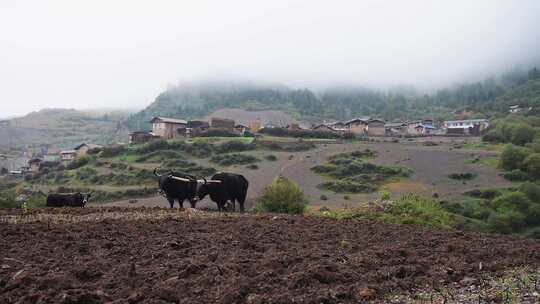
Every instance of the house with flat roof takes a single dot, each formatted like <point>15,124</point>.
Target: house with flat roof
<point>168,128</point>
<point>465,127</point>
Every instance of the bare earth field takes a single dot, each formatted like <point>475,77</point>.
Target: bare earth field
<point>431,166</point>
<point>133,255</point>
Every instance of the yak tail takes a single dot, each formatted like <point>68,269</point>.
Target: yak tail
<point>244,189</point>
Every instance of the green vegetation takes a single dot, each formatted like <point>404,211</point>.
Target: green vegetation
<point>408,209</point>
<point>308,134</point>
<point>515,129</point>
<point>499,210</point>
<point>350,173</point>
<point>490,161</point>
<point>234,159</point>
<point>463,176</point>
<point>271,157</point>
<point>282,196</point>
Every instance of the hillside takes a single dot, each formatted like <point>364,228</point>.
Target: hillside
<point>477,99</point>
<point>61,127</point>
<point>526,95</point>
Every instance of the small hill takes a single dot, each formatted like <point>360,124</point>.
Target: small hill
<point>61,127</point>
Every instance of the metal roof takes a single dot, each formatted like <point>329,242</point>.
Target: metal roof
<point>362,119</point>
<point>465,120</point>
<point>169,120</point>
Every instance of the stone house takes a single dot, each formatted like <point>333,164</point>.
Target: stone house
<point>168,128</point>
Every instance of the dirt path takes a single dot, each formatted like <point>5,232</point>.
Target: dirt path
<point>97,255</point>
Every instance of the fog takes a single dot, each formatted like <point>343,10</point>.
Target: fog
<point>93,54</point>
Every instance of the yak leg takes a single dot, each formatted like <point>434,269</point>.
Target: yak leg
<point>181,203</point>
<point>193,203</point>
<point>220,206</point>
<point>171,202</point>
<point>241,203</point>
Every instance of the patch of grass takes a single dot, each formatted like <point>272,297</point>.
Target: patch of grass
<point>350,173</point>
<point>252,167</point>
<point>408,209</point>
<point>234,159</point>
<point>463,176</point>
<point>489,161</point>
<point>413,209</point>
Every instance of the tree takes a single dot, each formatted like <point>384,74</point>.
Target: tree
<point>532,191</point>
<point>282,196</point>
<point>532,165</point>
<point>512,157</point>
<point>522,134</point>
<point>512,201</point>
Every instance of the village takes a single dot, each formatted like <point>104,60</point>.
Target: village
<point>177,128</point>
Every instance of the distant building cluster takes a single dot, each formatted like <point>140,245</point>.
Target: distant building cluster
<point>169,128</point>
<point>51,154</point>
<point>377,127</point>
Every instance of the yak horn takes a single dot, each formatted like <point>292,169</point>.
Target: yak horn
<point>216,181</point>
<point>181,179</point>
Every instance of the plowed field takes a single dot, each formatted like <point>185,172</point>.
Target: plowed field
<point>132,255</point>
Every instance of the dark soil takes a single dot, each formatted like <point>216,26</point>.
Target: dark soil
<point>211,258</point>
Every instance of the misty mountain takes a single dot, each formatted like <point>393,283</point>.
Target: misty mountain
<point>482,98</point>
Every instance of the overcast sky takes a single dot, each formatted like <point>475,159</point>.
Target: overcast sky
<point>92,54</point>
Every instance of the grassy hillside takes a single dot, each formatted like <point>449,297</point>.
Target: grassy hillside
<point>62,127</point>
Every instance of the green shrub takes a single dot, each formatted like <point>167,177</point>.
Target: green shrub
<point>385,195</point>
<point>218,132</point>
<point>85,173</point>
<point>532,165</point>
<point>531,190</point>
<point>283,132</point>
<point>159,156</point>
<point>78,163</point>
<point>523,134</point>
<point>512,201</point>
<point>344,186</point>
<point>462,176</point>
<point>484,193</point>
<point>512,157</point>
<point>234,146</point>
<point>233,159</point>
<point>282,196</point>
<point>516,175</point>
<point>152,146</point>
<point>109,151</point>
<point>271,157</point>
<point>506,222</point>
